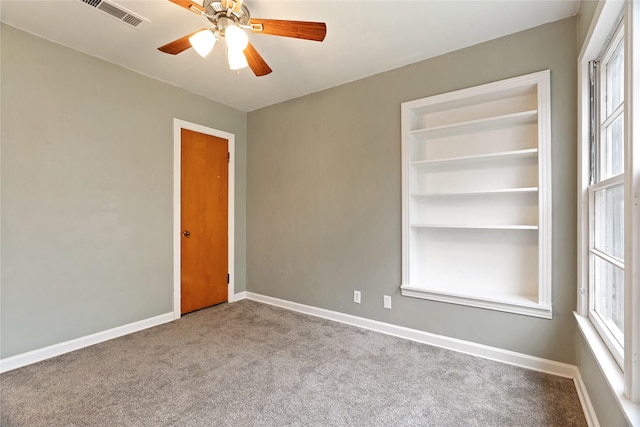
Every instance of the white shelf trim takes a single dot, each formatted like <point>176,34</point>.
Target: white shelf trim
<point>521,190</point>
<point>516,304</point>
<point>522,117</point>
<point>529,152</point>
<point>478,226</point>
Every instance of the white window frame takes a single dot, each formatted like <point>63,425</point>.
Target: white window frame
<point>624,379</point>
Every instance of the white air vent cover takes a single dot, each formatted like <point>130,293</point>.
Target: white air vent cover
<point>118,12</point>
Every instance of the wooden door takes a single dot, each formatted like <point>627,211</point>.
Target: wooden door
<point>204,219</point>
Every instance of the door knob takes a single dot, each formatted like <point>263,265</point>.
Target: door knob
<point>186,233</point>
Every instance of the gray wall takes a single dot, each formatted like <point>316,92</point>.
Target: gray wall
<point>87,187</point>
<point>324,194</point>
<point>583,21</point>
<point>604,403</point>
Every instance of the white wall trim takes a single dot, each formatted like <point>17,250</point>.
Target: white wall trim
<point>585,401</point>
<point>240,296</point>
<point>474,349</point>
<point>178,125</point>
<point>38,355</point>
<point>632,205</point>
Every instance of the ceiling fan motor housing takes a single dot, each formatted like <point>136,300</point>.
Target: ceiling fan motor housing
<point>221,16</point>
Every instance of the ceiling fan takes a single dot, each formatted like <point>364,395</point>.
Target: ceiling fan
<point>230,19</point>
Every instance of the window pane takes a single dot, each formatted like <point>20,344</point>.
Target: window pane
<point>609,221</point>
<point>606,216</point>
<point>611,149</point>
<point>615,79</point>
<point>609,296</point>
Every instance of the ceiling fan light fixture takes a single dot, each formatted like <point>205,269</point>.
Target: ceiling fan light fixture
<point>237,39</point>
<point>237,60</point>
<point>203,41</point>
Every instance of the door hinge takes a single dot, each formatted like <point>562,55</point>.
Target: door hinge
<point>228,157</point>
<point>228,278</point>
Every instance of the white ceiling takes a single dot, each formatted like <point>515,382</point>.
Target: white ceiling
<point>363,38</point>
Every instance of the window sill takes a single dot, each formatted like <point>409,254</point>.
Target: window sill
<point>609,368</point>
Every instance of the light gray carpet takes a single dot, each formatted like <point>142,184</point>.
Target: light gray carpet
<point>250,364</point>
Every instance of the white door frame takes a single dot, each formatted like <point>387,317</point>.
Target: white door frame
<point>178,125</point>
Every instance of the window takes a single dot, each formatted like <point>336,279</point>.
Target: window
<point>606,195</point>
<point>608,312</point>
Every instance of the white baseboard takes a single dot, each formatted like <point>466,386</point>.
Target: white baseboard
<point>239,296</point>
<point>480,350</point>
<point>585,401</point>
<point>24,359</point>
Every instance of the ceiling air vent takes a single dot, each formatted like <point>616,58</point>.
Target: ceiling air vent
<point>116,11</point>
<point>132,20</point>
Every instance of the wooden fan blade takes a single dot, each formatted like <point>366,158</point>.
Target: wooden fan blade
<point>256,63</point>
<point>297,29</point>
<point>189,5</point>
<point>177,46</point>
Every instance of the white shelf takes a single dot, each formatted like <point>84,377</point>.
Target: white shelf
<point>523,190</point>
<point>479,226</point>
<point>530,152</point>
<point>519,118</point>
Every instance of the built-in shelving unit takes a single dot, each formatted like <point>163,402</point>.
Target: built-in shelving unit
<point>477,196</point>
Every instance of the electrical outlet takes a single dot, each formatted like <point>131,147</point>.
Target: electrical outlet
<point>387,302</point>
<point>356,297</point>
